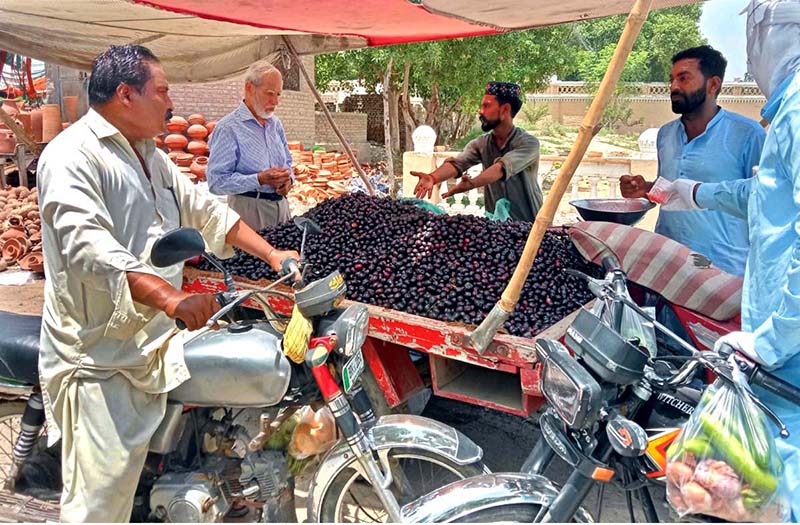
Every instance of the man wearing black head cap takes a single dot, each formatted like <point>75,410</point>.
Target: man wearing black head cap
<point>509,155</point>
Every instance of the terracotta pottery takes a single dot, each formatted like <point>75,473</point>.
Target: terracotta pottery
<point>198,167</point>
<point>7,141</point>
<point>184,160</point>
<point>197,147</point>
<point>13,249</point>
<point>10,107</point>
<point>24,117</point>
<point>33,262</point>
<point>177,125</point>
<point>65,125</point>
<point>197,131</point>
<point>159,141</point>
<point>196,118</point>
<point>36,124</point>
<point>173,155</point>
<point>176,142</point>
<point>211,125</point>
<point>14,232</point>
<point>71,108</point>
<point>51,122</point>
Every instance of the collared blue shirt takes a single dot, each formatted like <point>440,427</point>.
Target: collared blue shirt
<point>727,150</point>
<point>241,148</point>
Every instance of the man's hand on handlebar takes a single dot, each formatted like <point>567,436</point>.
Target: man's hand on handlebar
<point>742,342</point>
<point>277,260</point>
<point>193,309</point>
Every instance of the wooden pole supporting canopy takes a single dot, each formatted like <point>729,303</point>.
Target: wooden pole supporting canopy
<point>482,336</point>
<point>328,116</point>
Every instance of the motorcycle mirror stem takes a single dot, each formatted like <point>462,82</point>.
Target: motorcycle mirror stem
<point>226,275</point>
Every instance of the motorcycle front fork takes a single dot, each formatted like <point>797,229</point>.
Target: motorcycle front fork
<point>577,486</point>
<point>352,429</point>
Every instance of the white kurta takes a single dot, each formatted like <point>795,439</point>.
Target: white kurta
<point>100,218</point>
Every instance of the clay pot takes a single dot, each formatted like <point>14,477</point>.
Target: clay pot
<point>24,118</point>
<point>13,249</point>
<point>211,125</point>
<point>198,167</point>
<point>51,122</point>
<point>173,155</point>
<point>10,107</point>
<point>197,147</point>
<point>71,108</point>
<point>7,141</point>
<point>184,160</point>
<point>176,142</point>
<point>14,232</point>
<point>33,262</point>
<point>196,118</point>
<point>159,141</point>
<point>36,124</point>
<point>177,125</point>
<point>197,131</point>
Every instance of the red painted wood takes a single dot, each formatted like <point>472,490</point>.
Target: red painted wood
<point>393,333</point>
<point>393,370</point>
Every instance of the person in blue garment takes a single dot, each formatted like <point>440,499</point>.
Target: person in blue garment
<point>708,144</point>
<point>770,202</point>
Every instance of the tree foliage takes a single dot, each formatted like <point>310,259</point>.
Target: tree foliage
<point>450,74</point>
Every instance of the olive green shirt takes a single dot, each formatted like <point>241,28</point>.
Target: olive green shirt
<point>520,158</point>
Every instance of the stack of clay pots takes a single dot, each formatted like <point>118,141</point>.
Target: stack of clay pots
<point>41,124</point>
<point>20,230</point>
<point>319,175</point>
<point>186,141</point>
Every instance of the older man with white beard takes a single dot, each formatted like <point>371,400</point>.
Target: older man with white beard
<point>249,159</point>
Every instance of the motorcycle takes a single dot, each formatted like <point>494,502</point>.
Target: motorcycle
<point>601,405</point>
<point>208,459</point>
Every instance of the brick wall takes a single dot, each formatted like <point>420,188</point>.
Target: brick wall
<point>352,125</point>
<point>216,99</point>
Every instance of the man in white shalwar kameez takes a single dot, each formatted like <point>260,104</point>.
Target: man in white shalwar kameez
<point>106,194</point>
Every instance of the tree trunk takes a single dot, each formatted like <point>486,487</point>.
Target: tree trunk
<point>432,106</point>
<point>409,121</point>
<point>387,126</point>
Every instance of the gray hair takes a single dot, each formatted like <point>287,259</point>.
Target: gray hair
<point>257,71</point>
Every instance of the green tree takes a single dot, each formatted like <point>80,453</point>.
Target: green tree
<point>666,32</point>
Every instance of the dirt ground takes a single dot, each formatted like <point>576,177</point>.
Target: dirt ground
<point>23,299</point>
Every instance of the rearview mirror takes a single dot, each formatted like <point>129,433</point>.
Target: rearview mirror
<point>307,224</point>
<point>177,246</point>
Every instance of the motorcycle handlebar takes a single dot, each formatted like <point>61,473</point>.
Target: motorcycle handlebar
<point>610,263</point>
<point>775,385</point>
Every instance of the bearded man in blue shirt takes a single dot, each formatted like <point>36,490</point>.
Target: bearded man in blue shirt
<point>249,159</point>
<point>707,144</point>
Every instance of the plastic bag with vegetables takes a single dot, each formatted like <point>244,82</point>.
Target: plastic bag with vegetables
<point>725,463</point>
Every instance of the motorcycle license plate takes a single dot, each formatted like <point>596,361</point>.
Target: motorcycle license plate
<point>352,370</point>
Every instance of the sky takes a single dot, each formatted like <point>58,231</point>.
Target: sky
<point>724,28</point>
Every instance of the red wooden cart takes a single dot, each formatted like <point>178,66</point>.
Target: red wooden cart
<point>407,353</point>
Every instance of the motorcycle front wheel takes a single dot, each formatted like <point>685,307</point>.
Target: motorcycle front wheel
<point>351,499</point>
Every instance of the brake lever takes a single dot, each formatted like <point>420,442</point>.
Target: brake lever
<point>242,297</point>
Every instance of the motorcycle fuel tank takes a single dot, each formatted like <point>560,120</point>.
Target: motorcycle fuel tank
<point>235,368</point>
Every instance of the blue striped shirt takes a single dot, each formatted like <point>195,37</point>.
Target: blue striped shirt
<point>241,148</point>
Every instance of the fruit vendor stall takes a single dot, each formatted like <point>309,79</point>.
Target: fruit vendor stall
<point>426,279</point>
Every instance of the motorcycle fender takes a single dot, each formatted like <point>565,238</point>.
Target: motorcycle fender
<point>453,502</point>
<point>394,431</point>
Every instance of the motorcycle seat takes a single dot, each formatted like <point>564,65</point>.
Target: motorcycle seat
<point>19,347</point>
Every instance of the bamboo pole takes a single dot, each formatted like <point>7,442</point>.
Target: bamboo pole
<point>328,115</point>
<point>482,336</point>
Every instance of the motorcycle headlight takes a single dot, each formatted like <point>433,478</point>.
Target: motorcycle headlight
<point>568,387</point>
<point>351,328</point>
